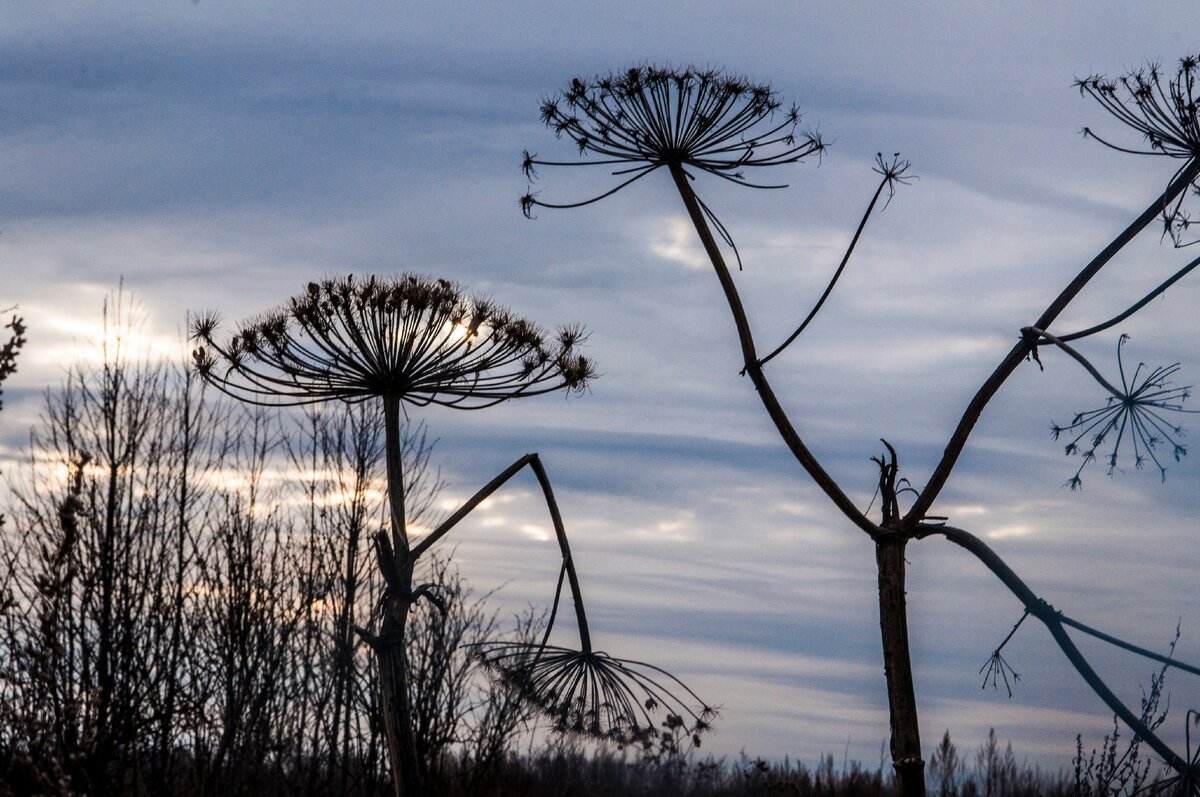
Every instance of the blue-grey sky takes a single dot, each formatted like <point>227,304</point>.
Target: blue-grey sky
<point>220,155</point>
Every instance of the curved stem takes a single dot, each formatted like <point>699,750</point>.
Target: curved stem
<point>958,439</point>
<point>1091,369</point>
<point>841,267</point>
<point>1178,275</point>
<point>560,532</point>
<point>766,395</point>
<point>1054,623</point>
<point>585,638</point>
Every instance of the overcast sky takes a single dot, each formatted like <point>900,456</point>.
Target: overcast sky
<point>219,155</point>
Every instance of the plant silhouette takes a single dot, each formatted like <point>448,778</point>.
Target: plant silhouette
<point>11,347</point>
<point>8,356</point>
<point>692,122</point>
<point>424,341</point>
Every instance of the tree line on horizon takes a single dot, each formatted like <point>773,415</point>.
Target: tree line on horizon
<point>180,579</point>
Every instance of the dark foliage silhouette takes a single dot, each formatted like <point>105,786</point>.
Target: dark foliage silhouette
<point>8,352</point>
<point>244,539</point>
<point>8,357</point>
<point>179,591</point>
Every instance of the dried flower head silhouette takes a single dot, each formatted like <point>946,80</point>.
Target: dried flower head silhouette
<point>593,694</point>
<point>660,118</point>
<point>1137,410</point>
<point>410,339</point>
<point>422,341</point>
<point>648,117</point>
<point>1168,119</point>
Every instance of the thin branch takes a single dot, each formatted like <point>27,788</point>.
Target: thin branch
<point>774,409</point>
<point>892,173</point>
<point>1132,648</point>
<point>1178,275</point>
<point>560,532</point>
<point>1041,334</point>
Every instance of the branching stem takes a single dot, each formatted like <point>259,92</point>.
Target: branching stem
<point>765,393</point>
<point>560,532</point>
<point>958,439</point>
<point>1054,621</point>
<point>1040,334</point>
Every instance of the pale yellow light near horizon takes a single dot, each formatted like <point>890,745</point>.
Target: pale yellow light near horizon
<point>64,340</point>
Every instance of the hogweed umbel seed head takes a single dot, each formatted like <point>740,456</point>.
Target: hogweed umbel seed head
<point>410,337</point>
<point>997,669</point>
<point>1167,117</point>
<point>646,117</point>
<point>593,694</point>
<point>1138,411</point>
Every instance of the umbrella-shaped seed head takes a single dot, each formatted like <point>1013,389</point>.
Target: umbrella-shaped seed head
<point>1139,412</point>
<point>415,338</point>
<point>646,117</point>
<point>1165,111</point>
<point>592,694</point>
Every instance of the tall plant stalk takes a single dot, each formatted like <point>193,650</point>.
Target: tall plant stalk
<point>889,543</point>
<point>423,341</point>
<point>693,122</point>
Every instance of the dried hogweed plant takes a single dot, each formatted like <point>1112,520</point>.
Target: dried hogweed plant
<point>1139,409</point>
<point>696,122</point>
<point>647,118</point>
<point>1167,118</point>
<point>421,341</point>
<point>590,693</point>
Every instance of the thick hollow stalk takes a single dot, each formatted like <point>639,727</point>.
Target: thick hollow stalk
<point>1054,623</point>
<point>395,475</point>
<point>897,666</point>
<point>893,623</point>
<point>560,532</point>
<point>407,780</point>
<point>774,409</point>
<point>394,700</point>
<point>1021,350</point>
